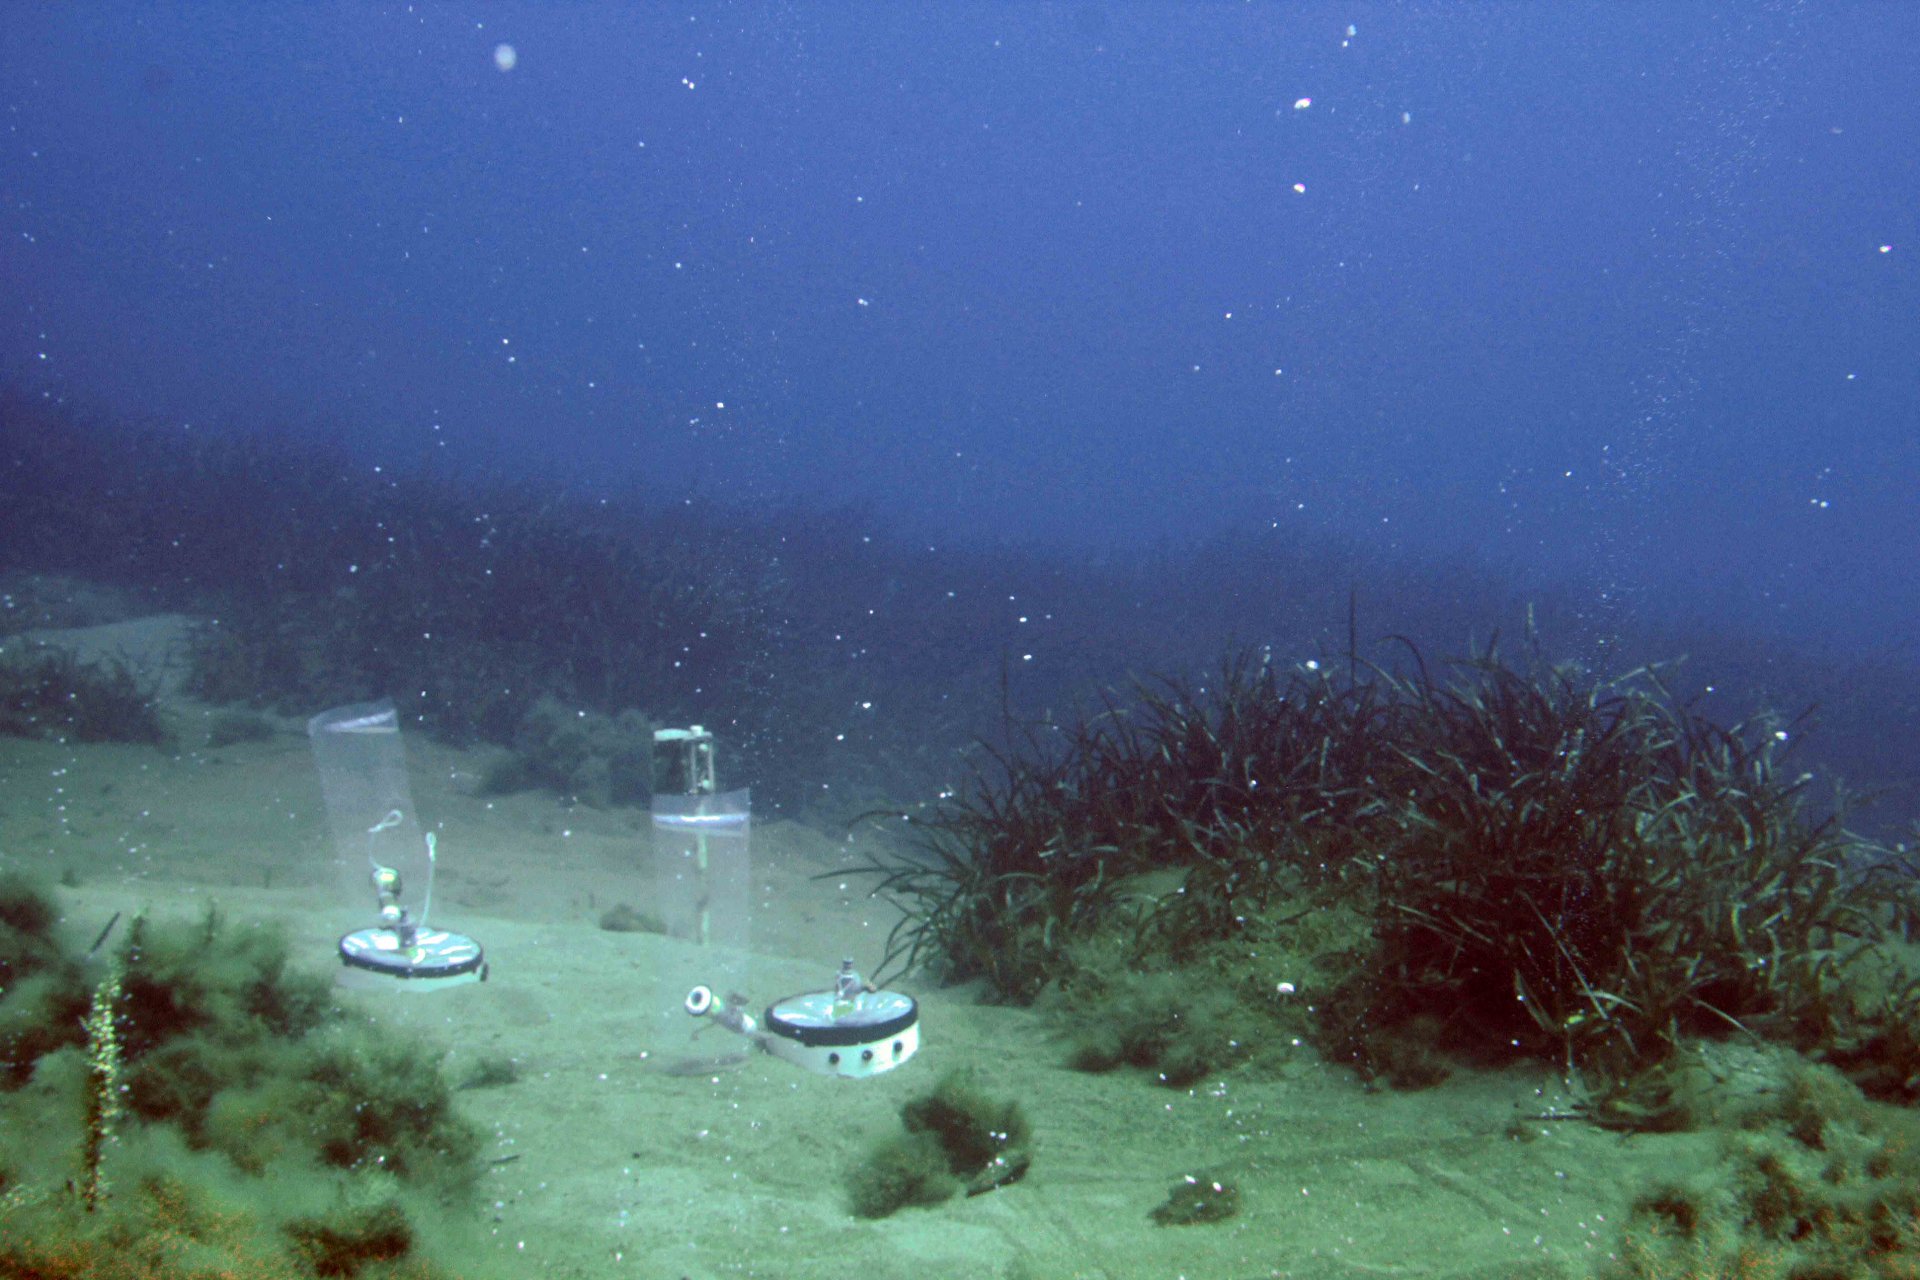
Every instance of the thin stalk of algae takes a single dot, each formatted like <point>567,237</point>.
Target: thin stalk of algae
<point>103,1085</point>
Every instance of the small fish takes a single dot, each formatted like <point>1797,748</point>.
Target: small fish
<point>1198,1199</point>
<point>1002,1171</point>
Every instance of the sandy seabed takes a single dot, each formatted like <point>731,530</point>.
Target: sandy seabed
<point>613,1158</point>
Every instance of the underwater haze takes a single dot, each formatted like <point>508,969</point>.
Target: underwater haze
<point>1619,297</point>
<point>1008,641</point>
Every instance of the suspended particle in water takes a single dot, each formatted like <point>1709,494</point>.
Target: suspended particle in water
<point>505,57</point>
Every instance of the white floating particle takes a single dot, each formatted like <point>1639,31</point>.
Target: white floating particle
<point>1301,104</point>
<point>505,57</point>
<point>1299,188</point>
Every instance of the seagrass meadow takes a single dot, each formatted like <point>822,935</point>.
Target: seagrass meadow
<point>1625,919</point>
<point>1022,641</point>
<point>1469,864</point>
<point>1530,860</point>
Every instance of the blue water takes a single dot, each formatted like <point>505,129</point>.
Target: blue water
<point>940,364</point>
<point>1619,295</point>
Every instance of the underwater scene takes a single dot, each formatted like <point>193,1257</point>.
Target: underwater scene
<point>1127,641</point>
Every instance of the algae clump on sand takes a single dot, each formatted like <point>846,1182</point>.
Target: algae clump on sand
<point>193,1102</point>
<point>953,1138</point>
